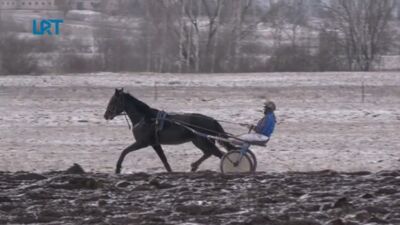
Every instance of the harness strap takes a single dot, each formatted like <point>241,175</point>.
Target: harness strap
<point>208,136</point>
<point>161,115</point>
<point>200,133</point>
<point>129,125</point>
<point>159,123</point>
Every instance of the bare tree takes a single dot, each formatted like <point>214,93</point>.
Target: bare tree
<point>19,55</point>
<point>191,35</point>
<point>217,25</point>
<point>364,28</point>
<point>286,18</point>
<point>193,13</point>
<point>238,26</point>
<point>1,40</point>
<point>206,28</point>
<point>329,56</point>
<point>237,30</point>
<point>149,48</point>
<point>213,13</point>
<point>64,5</point>
<point>114,48</point>
<point>297,17</point>
<point>181,36</point>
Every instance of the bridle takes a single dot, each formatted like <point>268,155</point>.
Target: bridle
<point>125,114</point>
<point>127,121</point>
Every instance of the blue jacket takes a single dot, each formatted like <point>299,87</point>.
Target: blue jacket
<point>266,125</point>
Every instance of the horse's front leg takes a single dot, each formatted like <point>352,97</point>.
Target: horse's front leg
<point>131,148</point>
<point>161,154</point>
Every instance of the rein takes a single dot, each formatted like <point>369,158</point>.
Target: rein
<point>181,123</point>
<point>159,123</point>
<point>127,121</point>
<point>189,127</point>
<point>230,122</point>
<point>161,117</point>
<point>125,114</point>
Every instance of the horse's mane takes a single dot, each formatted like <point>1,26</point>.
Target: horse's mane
<point>140,106</point>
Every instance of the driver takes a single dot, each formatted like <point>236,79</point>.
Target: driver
<point>264,128</point>
<point>266,125</point>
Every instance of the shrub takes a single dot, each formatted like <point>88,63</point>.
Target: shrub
<point>291,59</point>
<point>16,56</point>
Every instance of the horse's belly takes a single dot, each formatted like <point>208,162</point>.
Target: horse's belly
<point>174,137</point>
<point>172,140</point>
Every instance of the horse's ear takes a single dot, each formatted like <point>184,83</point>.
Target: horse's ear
<point>118,91</point>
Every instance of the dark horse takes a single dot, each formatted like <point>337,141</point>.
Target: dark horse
<point>147,133</point>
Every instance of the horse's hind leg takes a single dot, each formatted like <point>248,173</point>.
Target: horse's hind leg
<point>196,164</point>
<point>161,154</point>
<point>208,147</point>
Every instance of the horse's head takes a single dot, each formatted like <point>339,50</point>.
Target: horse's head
<point>116,105</point>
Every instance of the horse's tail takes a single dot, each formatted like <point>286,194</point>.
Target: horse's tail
<point>221,133</point>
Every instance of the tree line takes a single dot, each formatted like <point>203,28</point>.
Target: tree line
<point>207,36</point>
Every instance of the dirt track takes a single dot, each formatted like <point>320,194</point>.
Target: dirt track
<point>207,197</point>
<point>49,122</point>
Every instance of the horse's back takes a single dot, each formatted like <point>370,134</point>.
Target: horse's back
<point>199,122</point>
<point>195,119</point>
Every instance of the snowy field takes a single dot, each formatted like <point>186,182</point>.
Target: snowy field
<point>49,122</point>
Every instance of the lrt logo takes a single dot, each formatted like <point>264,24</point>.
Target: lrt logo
<point>45,27</point>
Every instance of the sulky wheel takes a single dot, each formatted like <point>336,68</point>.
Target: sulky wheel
<point>236,162</point>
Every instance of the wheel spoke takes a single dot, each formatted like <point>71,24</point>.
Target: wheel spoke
<point>227,157</point>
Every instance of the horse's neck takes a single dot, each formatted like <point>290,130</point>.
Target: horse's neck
<point>133,114</point>
<point>136,115</point>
